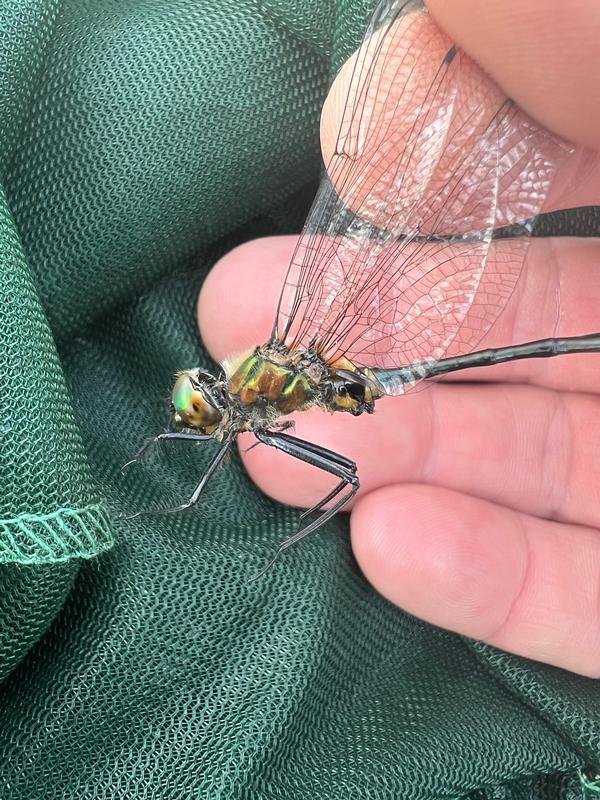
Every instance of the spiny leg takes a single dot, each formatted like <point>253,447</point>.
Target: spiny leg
<point>324,459</point>
<point>280,426</point>
<point>318,506</point>
<point>311,447</point>
<point>314,449</point>
<point>290,445</point>
<point>318,523</point>
<point>337,459</point>
<point>180,435</point>
<point>212,467</point>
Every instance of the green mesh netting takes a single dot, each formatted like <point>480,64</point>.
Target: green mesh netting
<point>140,139</point>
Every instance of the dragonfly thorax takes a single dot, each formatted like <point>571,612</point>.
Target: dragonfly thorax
<point>269,382</point>
<point>282,380</point>
<point>275,379</point>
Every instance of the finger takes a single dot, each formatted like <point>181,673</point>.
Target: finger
<point>558,295</point>
<point>525,447</point>
<point>525,585</point>
<point>400,90</point>
<point>543,53</point>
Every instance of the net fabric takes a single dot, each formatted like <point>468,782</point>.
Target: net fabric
<point>49,511</point>
<point>128,99</point>
<point>152,670</point>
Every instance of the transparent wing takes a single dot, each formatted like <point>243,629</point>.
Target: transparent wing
<point>397,261</point>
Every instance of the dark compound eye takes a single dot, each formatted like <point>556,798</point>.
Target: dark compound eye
<point>356,391</point>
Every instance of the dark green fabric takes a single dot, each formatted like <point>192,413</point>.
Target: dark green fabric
<point>140,140</point>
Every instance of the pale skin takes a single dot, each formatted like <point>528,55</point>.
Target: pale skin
<point>479,507</point>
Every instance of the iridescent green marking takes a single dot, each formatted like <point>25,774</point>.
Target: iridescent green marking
<point>293,385</point>
<point>182,393</point>
<point>249,366</point>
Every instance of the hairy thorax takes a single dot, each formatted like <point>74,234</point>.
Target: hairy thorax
<point>272,381</point>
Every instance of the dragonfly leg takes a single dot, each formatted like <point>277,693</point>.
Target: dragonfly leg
<point>309,447</point>
<point>212,467</point>
<point>279,426</point>
<point>324,459</point>
<point>318,506</point>
<point>336,458</point>
<point>284,426</point>
<point>168,435</point>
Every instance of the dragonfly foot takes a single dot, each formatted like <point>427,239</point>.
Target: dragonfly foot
<point>266,568</point>
<point>127,517</point>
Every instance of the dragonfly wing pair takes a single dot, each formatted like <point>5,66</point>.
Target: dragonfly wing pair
<point>425,159</point>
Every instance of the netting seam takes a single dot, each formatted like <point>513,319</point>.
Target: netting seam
<point>59,536</point>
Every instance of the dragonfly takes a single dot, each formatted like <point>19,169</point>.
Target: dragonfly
<point>413,246</point>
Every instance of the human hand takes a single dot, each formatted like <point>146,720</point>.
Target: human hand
<point>479,506</point>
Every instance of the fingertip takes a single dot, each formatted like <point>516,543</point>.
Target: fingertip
<point>543,53</point>
<point>360,127</point>
<point>433,552</point>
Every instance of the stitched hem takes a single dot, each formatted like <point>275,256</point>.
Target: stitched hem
<point>60,536</point>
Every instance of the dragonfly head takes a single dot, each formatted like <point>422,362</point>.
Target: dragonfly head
<point>197,401</point>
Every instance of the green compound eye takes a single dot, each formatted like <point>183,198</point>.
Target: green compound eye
<point>182,393</point>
